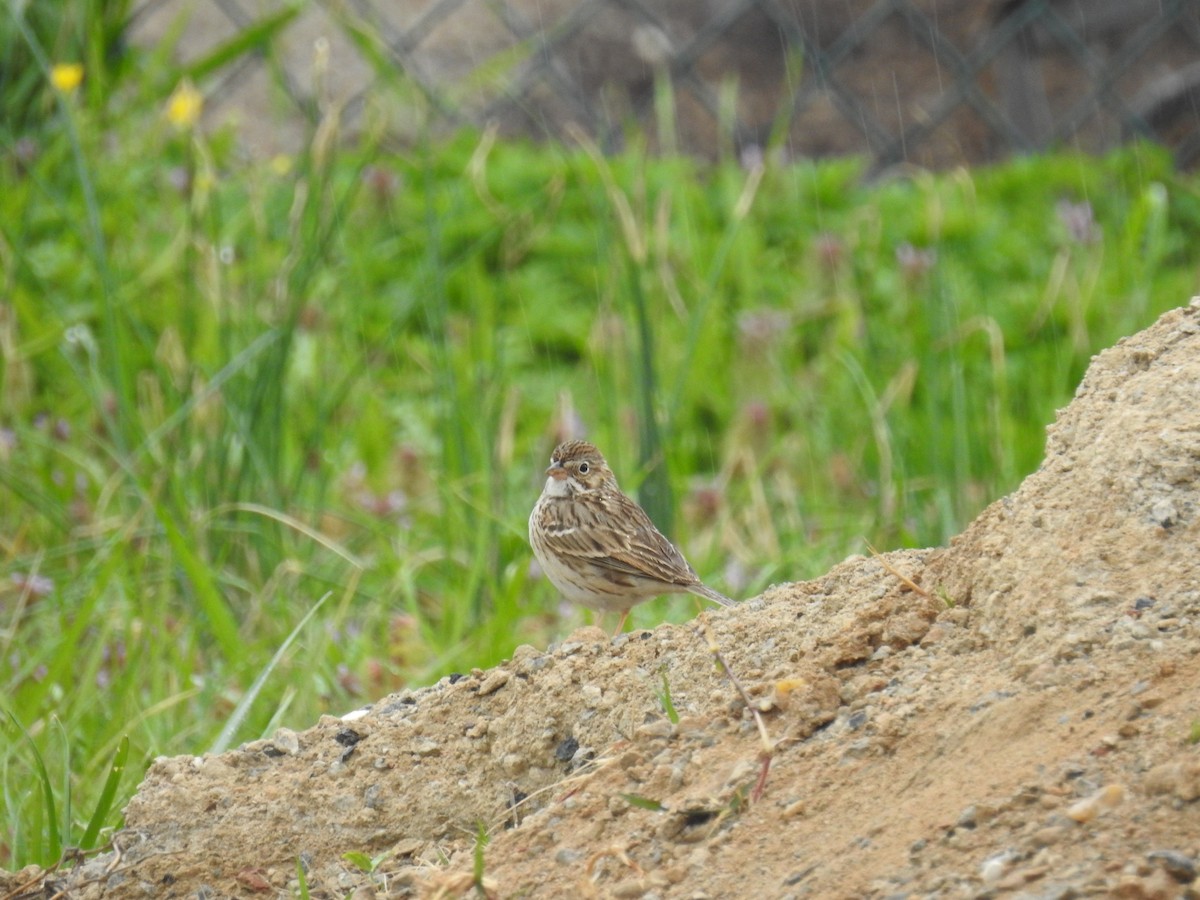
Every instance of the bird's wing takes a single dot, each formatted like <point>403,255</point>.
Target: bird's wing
<point>624,540</point>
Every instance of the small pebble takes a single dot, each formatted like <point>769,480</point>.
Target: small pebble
<point>514,764</point>
<point>566,749</point>
<point>1181,779</point>
<point>793,810</point>
<point>1089,807</point>
<point>993,868</point>
<point>423,746</point>
<point>494,682</point>
<point>286,741</point>
<point>858,749</point>
<point>627,890</point>
<point>1178,865</point>
<point>1164,513</point>
<point>659,729</point>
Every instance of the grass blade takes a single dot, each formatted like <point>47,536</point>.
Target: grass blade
<point>249,39</point>
<point>53,851</point>
<point>107,794</point>
<point>225,738</point>
<point>302,879</point>
<point>220,619</point>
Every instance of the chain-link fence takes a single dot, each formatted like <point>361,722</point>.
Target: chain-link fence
<point>933,82</point>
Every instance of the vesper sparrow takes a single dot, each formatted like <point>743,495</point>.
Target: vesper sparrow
<point>597,546</point>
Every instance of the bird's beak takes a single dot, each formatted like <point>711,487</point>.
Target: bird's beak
<point>557,472</point>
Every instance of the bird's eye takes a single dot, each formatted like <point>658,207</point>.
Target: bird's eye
<point>583,468</point>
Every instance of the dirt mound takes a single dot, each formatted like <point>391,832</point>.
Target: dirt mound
<point>1020,719</point>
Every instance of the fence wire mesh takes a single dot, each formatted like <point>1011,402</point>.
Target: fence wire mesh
<point>932,82</point>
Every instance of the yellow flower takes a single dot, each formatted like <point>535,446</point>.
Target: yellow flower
<point>66,76</point>
<point>185,105</point>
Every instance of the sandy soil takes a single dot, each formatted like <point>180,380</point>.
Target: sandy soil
<point>1016,715</point>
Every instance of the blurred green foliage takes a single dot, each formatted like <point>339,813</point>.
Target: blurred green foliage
<point>230,386</point>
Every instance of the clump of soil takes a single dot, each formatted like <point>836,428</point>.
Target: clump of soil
<point>1017,714</point>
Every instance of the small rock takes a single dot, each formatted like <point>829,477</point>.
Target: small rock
<point>423,746</point>
<point>286,741</point>
<point>1157,886</point>
<point>1088,808</point>
<point>514,765</point>
<point>858,749</point>
<point>406,847</point>
<point>494,682</point>
<point>993,868</point>
<point>1178,865</point>
<point>793,810</point>
<point>1049,800</point>
<point>565,751</point>
<point>627,890</point>
<point>582,757</point>
<point>1164,513</point>
<point>675,874</point>
<point>373,797</point>
<point>1182,779</point>
<point>658,729</point>
<point>936,633</point>
<point>1135,628</point>
<point>629,759</point>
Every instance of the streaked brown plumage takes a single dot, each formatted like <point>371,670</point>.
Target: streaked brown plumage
<point>597,546</point>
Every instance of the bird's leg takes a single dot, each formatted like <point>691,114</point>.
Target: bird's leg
<point>621,622</point>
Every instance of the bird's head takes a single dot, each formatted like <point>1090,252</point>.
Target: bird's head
<point>577,466</point>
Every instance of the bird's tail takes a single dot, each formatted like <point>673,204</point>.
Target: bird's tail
<point>703,590</point>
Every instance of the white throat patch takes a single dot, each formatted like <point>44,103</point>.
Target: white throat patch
<point>556,487</point>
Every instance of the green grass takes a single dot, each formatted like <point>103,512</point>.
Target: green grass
<point>230,388</point>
